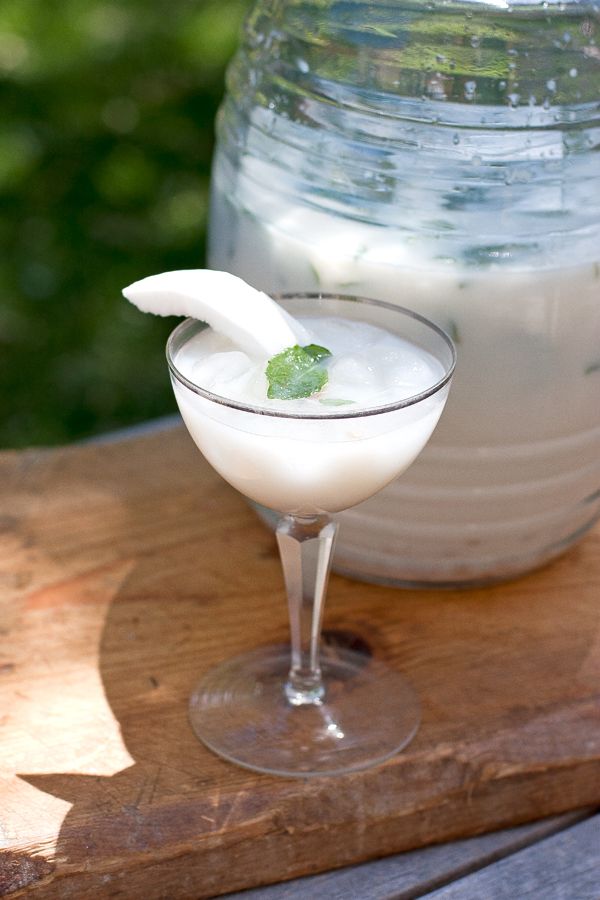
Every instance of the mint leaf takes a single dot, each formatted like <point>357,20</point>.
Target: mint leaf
<point>318,353</point>
<point>334,401</point>
<point>296,372</point>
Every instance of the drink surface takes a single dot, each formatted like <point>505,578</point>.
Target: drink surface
<point>369,367</point>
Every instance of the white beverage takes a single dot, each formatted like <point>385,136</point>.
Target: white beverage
<point>325,452</point>
<point>512,475</point>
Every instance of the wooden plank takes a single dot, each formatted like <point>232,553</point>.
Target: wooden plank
<point>128,569</point>
<point>563,867</point>
<point>409,875</point>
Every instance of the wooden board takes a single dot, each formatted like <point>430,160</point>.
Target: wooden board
<point>128,569</point>
<point>415,873</point>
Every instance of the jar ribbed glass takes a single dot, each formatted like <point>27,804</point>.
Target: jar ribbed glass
<point>444,156</point>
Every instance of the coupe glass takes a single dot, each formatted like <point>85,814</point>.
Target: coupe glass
<point>310,711</point>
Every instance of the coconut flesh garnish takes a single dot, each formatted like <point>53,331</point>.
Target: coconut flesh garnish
<point>249,318</point>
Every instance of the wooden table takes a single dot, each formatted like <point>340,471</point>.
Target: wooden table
<point>128,568</point>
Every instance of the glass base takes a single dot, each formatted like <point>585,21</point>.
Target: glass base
<point>240,711</point>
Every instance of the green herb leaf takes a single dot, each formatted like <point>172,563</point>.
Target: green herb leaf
<point>296,372</point>
<point>318,353</point>
<point>334,401</point>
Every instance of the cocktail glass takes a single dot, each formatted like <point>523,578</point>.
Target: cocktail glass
<point>311,711</point>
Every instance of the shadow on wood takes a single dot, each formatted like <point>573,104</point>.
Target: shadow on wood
<point>178,574</point>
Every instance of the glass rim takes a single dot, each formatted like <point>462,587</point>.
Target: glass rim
<point>337,414</point>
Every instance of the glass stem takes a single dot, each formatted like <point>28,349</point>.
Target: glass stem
<point>306,548</point>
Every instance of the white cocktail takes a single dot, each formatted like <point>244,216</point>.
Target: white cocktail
<point>383,375</point>
<point>323,452</point>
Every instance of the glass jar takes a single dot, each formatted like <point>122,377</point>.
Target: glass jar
<point>445,156</point>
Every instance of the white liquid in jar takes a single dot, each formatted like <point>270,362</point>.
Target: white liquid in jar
<point>512,475</point>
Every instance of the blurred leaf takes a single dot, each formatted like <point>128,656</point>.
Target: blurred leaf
<point>19,152</point>
<point>125,174</point>
<point>105,150</point>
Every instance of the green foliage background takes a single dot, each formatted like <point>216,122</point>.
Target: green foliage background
<point>106,134</point>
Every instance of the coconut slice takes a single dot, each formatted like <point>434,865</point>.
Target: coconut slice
<point>249,318</point>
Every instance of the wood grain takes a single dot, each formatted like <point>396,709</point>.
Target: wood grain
<point>406,876</point>
<point>128,569</point>
<point>539,871</point>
